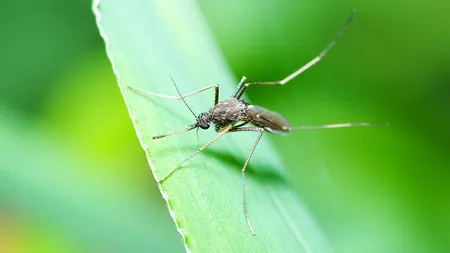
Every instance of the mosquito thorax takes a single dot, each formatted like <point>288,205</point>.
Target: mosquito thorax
<point>228,112</point>
<point>203,120</point>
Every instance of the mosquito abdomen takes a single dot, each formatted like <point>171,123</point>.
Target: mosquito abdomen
<point>269,120</point>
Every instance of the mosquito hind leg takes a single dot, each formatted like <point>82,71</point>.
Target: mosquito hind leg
<point>340,125</point>
<point>244,194</point>
<point>242,87</point>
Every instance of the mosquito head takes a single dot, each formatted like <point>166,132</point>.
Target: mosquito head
<point>203,120</point>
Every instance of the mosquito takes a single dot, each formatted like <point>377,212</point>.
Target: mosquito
<point>235,115</point>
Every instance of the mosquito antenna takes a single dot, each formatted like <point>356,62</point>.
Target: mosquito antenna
<point>181,96</point>
<point>340,125</point>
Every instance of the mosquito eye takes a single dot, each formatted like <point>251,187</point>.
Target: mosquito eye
<point>203,121</point>
<point>204,124</point>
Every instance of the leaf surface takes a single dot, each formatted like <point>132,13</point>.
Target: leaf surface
<point>146,42</point>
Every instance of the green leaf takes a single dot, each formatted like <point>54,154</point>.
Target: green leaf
<point>146,42</point>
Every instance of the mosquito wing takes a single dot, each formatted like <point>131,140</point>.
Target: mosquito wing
<point>270,121</point>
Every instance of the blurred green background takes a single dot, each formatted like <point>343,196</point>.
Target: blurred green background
<point>73,177</point>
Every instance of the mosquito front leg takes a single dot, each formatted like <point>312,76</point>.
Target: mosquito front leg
<point>241,88</point>
<point>148,93</point>
<point>222,133</point>
<point>244,195</point>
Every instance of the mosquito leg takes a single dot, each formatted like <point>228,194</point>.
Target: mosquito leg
<point>243,79</point>
<point>261,130</point>
<point>219,129</point>
<point>241,88</point>
<point>339,125</point>
<point>148,93</point>
<point>242,124</point>
<point>222,133</point>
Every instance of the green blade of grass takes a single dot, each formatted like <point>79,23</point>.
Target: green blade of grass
<point>146,42</point>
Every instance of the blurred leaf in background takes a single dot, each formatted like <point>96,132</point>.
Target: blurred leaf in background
<point>71,165</point>
<point>72,174</point>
